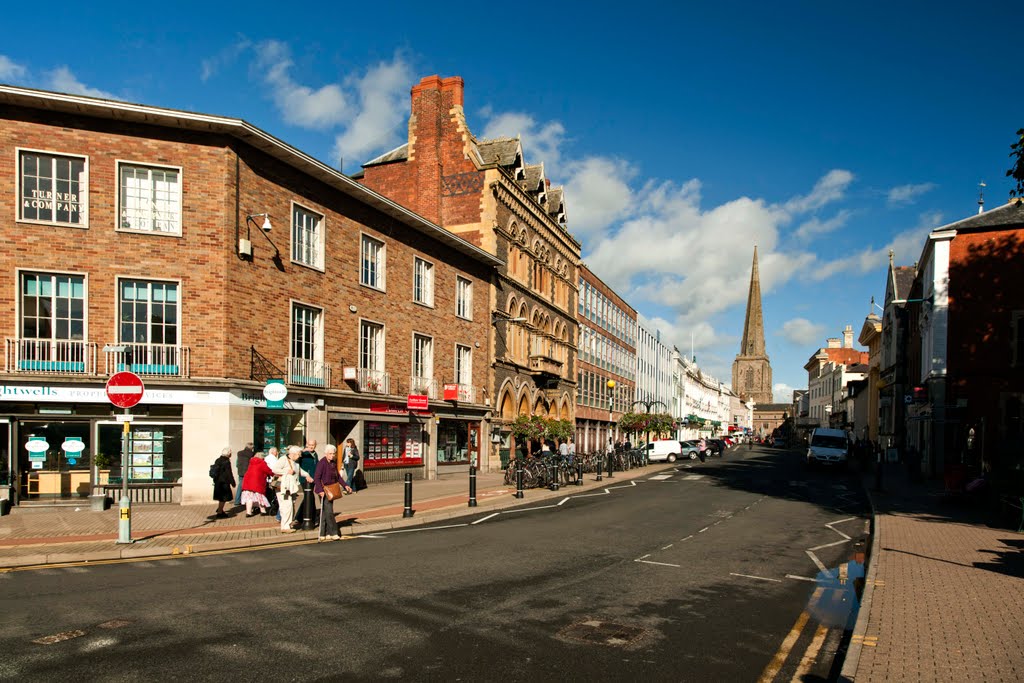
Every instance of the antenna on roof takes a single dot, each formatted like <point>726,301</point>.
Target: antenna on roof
<point>981,197</point>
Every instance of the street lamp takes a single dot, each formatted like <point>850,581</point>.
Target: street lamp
<point>611,405</point>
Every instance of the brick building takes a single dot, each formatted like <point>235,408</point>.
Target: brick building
<point>135,240</point>
<point>606,362</point>
<point>485,192</point>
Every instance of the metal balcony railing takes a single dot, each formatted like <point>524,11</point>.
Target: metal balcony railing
<point>154,360</point>
<point>467,393</point>
<point>50,357</point>
<point>423,386</point>
<point>374,381</point>
<point>308,373</point>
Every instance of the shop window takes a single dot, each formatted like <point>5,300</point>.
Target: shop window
<point>307,237</point>
<point>154,453</point>
<point>452,443</point>
<point>278,429</point>
<point>149,199</point>
<point>391,444</point>
<point>53,189</point>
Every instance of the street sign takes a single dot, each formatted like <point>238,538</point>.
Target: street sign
<point>125,389</point>
<point>275,392</point>
<point>451,392</point>
<point>417,402</point>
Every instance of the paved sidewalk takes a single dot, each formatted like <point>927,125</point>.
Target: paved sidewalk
<point>944,598</point>
<point>52,535</point>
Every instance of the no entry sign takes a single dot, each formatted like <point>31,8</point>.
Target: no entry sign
<point>124,389</point>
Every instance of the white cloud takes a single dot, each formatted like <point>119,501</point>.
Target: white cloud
<point>907,242</point>
<point>63,80</point>
<point>815,226</point>
<point>211,66</point>
<point>11,71</point>
<point>541,142</point>
<point>801,331</point>
<point>597,193</point>
<point>908,194</point>
<point>782,393</point>
<point>299,105</point>
<point>382,95</point>
<point>831,187</point>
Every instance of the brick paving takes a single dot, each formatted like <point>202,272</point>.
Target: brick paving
<point>944,599</point>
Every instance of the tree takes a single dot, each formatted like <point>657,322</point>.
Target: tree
<point>1017,170</point>
<point>561,429</point>
<point>531,428</point>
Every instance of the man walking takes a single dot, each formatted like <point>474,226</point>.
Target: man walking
<point>243,458</point>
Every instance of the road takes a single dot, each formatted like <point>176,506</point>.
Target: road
<point>702,572</point>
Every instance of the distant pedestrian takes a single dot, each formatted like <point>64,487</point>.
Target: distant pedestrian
<point>242,464</point>
<point>350,459</point>
<point>223,480</point>
<point>307,462</point>
<point>254,486</point>
<point>563,448</point>
<point>271,458</point>
<point>291,485</point>
<point>326,475</point>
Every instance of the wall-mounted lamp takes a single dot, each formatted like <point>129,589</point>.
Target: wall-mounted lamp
<point>245,245</point>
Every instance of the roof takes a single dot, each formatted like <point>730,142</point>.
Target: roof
<point>1004,216</point>
<point>239,129</point>
<point>858,367</point>
<point>847,356</point>
<point>400,153</point>
<point>904,280</point>
<point>534,179</point>
<point>501,151</point>
<point>772,407</point>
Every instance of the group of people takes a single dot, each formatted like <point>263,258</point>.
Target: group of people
<point>273,483</point>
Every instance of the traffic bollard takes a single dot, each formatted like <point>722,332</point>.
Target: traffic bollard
<point>599,459</point>
<point>308,506</point>
<point>611,466</point>
<point>579,473</point>
<point>408,511</point>
<point>554,476</point>
<point>472,486</point>
<point>519,478</point>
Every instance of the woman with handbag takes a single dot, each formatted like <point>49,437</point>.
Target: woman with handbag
<point>350,460</point>
<point>327,483</point>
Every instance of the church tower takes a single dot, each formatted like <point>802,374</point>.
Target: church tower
<point>751,371</point>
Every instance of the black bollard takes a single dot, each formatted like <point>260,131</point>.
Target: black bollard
<point>519,478</point>
<point>472,486</point>
<point>308,506</point>
<point>611,465</point>
<point>599,459</point>
<point>554,475</point>
<point>579,473</point>
<point>408,511</point>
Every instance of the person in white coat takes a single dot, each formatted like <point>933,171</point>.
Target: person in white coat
<point>291,486</point>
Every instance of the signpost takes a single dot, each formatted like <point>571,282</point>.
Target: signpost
<point>125,390</point>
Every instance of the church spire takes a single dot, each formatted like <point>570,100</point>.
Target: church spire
<point>753,325</point>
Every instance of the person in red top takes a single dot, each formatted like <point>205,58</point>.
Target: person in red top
<point>254,486</point>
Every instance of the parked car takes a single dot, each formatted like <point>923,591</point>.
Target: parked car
<point>689,450</point>
<point>715,446</point>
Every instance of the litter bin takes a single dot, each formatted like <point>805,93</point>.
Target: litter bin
<point>99,502</point>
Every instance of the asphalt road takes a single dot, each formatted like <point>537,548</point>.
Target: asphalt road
<point>702,574</point>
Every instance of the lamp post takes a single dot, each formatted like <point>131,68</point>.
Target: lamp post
<point>611,405</point>
<point>647,406</point>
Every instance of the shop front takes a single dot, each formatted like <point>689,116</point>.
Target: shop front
<point>459,442</point>
<point>392,440</point>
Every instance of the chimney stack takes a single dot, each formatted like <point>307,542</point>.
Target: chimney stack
<point>832,342</point>
<point>848,337</point>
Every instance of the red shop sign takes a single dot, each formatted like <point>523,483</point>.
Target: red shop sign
<point>417,402</point>
<point>375,463</point>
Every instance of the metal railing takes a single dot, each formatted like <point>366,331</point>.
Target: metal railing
<point>308,373</point>
<point>154,360</point>
<point>423,386</point>
<point>375,381</point>
<point>467,393</point>
<point>50,357</point>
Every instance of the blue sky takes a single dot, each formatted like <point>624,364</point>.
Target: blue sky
<point>825,133</point>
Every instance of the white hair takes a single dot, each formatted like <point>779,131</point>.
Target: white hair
<point>330,448</point>
<point>225,451</point>
<point>294,449</point>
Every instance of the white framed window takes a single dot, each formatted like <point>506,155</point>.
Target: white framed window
<point>371,346</point>
<point>464,298</point>
<point>53,188</point>
<point>372,261</point>
<point>422,356</point>
<point>423,282</point>
<point>149,198</point>
<point>148,312</point>
<point>463,364</point>
<point>307,333</point>
<point>307,237</point>
<point>1017,338</point>
<point>52,307</point>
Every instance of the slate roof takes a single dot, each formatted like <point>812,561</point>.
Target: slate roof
<point>858,367</point>
<point>502,151</point>
<point>397,154</point>
<point>534,180</point>
<point>904,280</point>
<point>1006,215</point>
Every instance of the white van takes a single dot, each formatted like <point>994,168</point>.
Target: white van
<point>664,449</point>
<point>828,446</point>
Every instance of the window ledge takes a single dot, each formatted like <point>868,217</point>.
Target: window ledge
<point>52,224</point>
<point>303,264</point>
<point>155,233</point>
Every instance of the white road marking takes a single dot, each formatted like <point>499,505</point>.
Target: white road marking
<point>693,477</point>
<point>563,501</point>
<point>660,477</point>
<point>817,562</point>
<point>668,546</point>
<point>686,539</point>
<point>703,530</point>
<point>662,564</point>
<point>829,545</point>
<point>484,519</point>
<point>759,578</point>
<point>542,507</point>
<point>801,578</point>
<point>409,531</point>
<point>644,557</point>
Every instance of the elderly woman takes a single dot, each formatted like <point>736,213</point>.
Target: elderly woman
<point>254,486</point>
<point>223,480</point>
<point>291,485</point>
<point>327,476</point>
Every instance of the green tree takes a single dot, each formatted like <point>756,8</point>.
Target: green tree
<point>561,429</point>
<point>1017,170</point>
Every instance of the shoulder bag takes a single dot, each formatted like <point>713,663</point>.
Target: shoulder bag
<point>332,491</point>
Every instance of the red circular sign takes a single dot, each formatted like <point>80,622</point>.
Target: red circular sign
<point>124,389</point>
